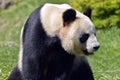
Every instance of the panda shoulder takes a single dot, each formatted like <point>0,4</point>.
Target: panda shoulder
<point>60,6</point>
<point>49,7</point>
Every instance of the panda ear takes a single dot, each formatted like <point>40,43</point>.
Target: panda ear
<point>69,16</point>
<point>88,12</point>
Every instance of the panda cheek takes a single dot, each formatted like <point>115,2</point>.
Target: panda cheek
<point>87,44</point>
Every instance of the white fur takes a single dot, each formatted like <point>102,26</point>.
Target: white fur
<point>91,42</point>
<point>51,17</point>
<point>70,40</point>
<point>21,51</point>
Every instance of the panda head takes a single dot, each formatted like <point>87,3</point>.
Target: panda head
<point>78,34</point>
<point>74,29</point>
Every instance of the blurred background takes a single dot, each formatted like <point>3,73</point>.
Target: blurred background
<point>106,18</point>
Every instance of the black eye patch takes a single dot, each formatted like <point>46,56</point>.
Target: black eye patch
<point>83,38</point>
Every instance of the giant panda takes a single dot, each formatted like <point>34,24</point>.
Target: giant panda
<point>55,41</point>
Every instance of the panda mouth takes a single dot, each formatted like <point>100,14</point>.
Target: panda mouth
<point>87,53</point>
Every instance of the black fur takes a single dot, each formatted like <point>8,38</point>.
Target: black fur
<point>88,12</point>
<point>15,74</point>
<point>45,59</point>
<point>69,16</point>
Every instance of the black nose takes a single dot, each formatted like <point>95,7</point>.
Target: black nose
<point>96,47</point>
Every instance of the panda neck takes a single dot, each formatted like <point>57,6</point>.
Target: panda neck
<point>55,49</point>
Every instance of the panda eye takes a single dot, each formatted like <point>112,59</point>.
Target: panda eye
<point>84,37</point>
<point>95,34</point>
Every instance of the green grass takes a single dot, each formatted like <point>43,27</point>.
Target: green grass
<point>12,19</point>
<point>8,59</point>
<point>105,63</point>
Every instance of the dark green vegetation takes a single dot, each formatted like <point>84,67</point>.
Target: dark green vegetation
<point>105,63</point>
<point>106,13</point>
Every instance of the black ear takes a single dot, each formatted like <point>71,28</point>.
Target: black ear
<point>69,16</point>
<point>88,12</point>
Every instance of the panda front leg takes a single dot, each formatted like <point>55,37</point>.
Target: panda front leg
<point>15,74</point>
<point>32,68</point>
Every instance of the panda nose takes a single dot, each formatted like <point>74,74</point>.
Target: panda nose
<point>96,47</point>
